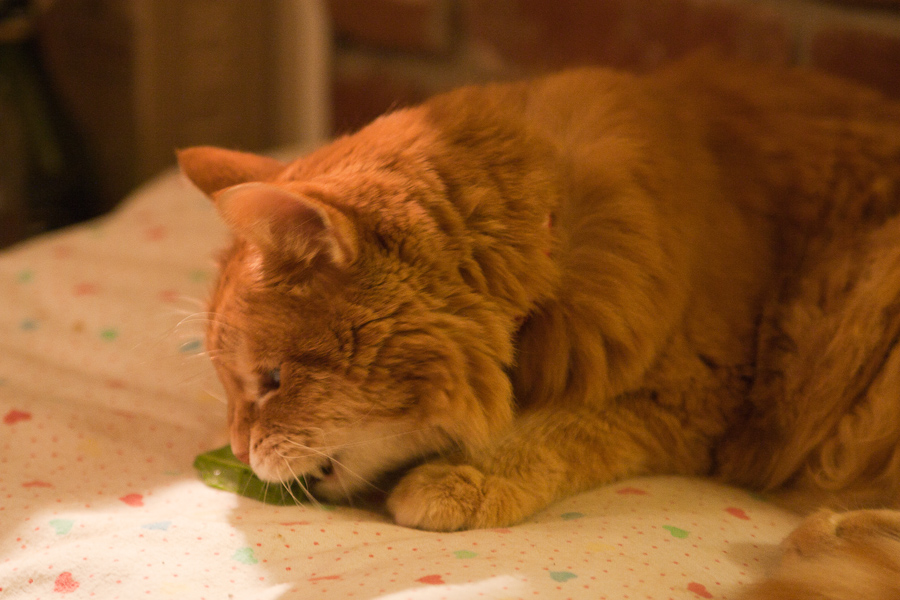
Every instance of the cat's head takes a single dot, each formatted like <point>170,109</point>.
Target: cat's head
<point>341,356</point>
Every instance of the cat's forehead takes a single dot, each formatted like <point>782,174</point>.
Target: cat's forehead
<point>248,269</point>
<point>239,262</point>
<point>270,327</point>
<point>289,311</point>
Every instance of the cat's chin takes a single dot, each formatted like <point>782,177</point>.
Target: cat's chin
<point>348,468</point>
<point>340,485</point>
<point>325,478</point>
<point>332,487</point>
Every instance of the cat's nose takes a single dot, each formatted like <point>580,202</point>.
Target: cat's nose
<point>240,449</point>
<point>240,440</point>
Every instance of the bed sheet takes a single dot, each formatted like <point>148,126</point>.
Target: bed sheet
<point>106,397</point>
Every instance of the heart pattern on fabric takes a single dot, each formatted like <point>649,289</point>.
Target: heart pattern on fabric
<point>676,531</point>
<point>62,526</point>
<point>65,583</point>
<point>14,416</point>
<point>699,589</point>
<point>737,512</point>
<point>135,500</point>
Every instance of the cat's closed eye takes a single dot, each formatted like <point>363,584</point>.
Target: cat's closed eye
<point>270,380</point>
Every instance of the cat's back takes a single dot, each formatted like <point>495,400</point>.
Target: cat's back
<point>807,150</point>
<point>796,139</point>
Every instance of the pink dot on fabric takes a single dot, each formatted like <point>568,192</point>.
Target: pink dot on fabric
<point>62,251</point>
<point>156,233</point>
<point>86,288</point>
<point>169,296</point>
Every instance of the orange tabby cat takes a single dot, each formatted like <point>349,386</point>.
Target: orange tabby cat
<point>527,290</point>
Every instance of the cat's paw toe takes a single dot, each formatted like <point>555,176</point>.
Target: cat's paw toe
<point>437,497</point>
<point>838,556</point>
<point>826,530</point>
<point>445,497</point>
<point>814,533</point>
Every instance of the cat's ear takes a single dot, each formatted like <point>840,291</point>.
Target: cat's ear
<point>213,169</point>
<point>280,221</point>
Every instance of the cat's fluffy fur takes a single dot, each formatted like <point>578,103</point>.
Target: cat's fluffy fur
<point>541,287</point>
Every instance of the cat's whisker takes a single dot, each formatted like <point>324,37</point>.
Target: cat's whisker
<point>310,452</point>
<point>204,318</point>
<point>296,456</point>
<point>199,355</point>
<point>330,457</point>
<point>221,399</point>
<point>359,419</point>
<point>359,477</point>
<point>347,494</point>
<point>302,486</point>
<point>193,300</point>
<point>329,451</point>
<point>373,440</point>
<point>247,484</point>
<point>209,355</point>
<point>176,311</point>
<point>288,487</point>
<point>196,317</point>
<point>189,379</point>
<point>226,325</point>
<point>212,356</point>
<point>301,483</point>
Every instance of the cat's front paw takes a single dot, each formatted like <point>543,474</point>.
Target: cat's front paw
<point>446,497</point>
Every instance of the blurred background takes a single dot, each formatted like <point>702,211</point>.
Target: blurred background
<point>95,95</point>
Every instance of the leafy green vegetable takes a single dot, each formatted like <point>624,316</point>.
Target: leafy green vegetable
<point>220,469</point>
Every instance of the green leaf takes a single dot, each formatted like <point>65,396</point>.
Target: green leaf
<point>220,469</point>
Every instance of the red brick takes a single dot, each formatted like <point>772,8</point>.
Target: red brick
<point>407,25</point>
<point>859,54</point>
<point>623,33</point>
<point>676,27</point>
<point>866,3</point>
<point>88,56</point>
<point>542,34</point>
<point>358,98</point>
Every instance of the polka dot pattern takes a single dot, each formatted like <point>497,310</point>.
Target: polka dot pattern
<point>106,396</point>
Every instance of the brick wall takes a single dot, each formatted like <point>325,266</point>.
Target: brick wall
<point>395,52</point>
